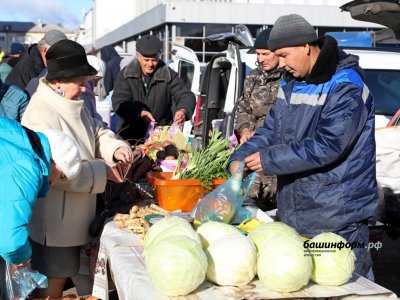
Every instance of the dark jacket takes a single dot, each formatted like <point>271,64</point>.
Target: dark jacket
<point>33,84</point>
<point>112,60</point>
<point>166,94</point>
<point>319,140</point>
<point>29,66</point>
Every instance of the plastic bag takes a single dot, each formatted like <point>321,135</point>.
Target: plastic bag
<point>22,281</point>
<point>172,134</point>
<point>175,129</point>
<point>150,130</point>
<point>223,203</point>
<point>170,165</point>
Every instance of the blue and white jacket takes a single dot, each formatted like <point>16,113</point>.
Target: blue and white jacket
<point>24,165</point>
<point>319,140</point>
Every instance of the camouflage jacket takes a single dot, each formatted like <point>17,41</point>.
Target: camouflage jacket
<point>259,93</point>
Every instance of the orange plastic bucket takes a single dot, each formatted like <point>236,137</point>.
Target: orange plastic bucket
<point>173,194</point>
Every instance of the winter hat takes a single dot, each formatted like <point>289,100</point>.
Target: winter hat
<point>67,59</point>
<point>262,39</point>
<point>64,152</point>
<point>148,45</point>
<point>98,64</point>
<point>17,48</point>
<point>289,31</point>
<point>53,36</point>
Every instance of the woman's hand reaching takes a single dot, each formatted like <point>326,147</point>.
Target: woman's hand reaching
<point>124,154</point>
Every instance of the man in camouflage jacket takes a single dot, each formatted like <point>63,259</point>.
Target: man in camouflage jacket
<point>259,93</point>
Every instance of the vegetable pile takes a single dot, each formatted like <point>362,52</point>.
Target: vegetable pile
<point>208,163</point>
<point>179,259</point>
<point>135,221</point>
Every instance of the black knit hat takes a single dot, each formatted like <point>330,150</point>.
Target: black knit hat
<point>290,31</point>
<point>262,39</point>
<point>67,59</point>
<point>148,45</point>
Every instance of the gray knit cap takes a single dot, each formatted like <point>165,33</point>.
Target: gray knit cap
<point>289,31</point>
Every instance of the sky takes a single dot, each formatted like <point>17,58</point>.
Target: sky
<point>67,12</point>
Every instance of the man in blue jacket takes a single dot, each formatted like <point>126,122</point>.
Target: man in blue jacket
<point>318,139</point>
<point>29,162</point>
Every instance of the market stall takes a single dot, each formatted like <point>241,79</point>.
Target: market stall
<point>121,251</point>
<point>188,246</point>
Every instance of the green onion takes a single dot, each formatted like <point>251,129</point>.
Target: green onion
<point>209,163</point>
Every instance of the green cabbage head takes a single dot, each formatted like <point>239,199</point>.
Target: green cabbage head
<point>212,231</point>
<point>262,233</point>
<point>232,260</point>
<point>161,225</point>
<point>283,264</point>
<point>332,266</point>
<point>175,231</point>
<point>176,265</point>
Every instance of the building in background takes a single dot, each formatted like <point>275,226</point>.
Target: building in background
<point>27,33</point>
<point>188,22</point>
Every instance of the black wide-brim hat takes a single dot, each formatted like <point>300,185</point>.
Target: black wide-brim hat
<point>67,59</point>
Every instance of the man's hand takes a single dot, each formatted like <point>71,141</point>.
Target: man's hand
<point>146,115</point>
<point>180,116</point>
<point>253,162</point>
<point>124,154</point>
<point>245,134</point>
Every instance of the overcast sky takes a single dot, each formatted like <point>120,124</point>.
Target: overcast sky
<point>67,12</point>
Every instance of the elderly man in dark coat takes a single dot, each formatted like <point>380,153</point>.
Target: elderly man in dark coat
<point>147,90</point>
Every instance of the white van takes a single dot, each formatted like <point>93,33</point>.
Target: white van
<point>382,69</point>
<point>222,80</point>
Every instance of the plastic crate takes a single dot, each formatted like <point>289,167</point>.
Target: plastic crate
<point>174,194</point>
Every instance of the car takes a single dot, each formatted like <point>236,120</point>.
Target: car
<point>384,12</point>
<point>382,70</point>
<point>222,80</point>
<point>220,84</point>
<point>384,85</point>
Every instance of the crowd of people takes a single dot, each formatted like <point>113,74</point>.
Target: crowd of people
<point>59,153</point>
<point>305,122</point>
